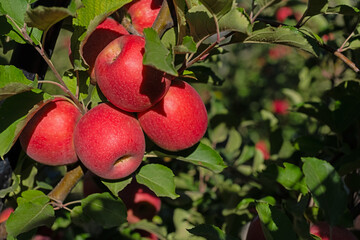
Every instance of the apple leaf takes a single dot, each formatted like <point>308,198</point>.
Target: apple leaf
<point>289,36</point>
<point>344,9</point>
<point>16,9</point>
<point>218,7</point>
<point>156,54</point>
<point>15,112</point>
<point>103,209</point>
<point>277,223</point>
<point>316,7</point>
<point>326,188</point>
<point>33,210</point>
<point>13,81</point>
<point>159,179</point>
<point>263,3</point>
<point>70,80</point>
<point>188,46</point>
<point>210,232</point>
<point>151,227</point>
<point>201,155</point>
<point>180,9</point>
<point>43,17</point>
<point>116,186</point>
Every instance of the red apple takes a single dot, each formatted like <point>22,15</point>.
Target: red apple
<point>255,231</point>
<point>280,107</point>
<point>146,234</point>
<point>283,13</point>
<point>124,80</point>
<point>109,142</point>
<point>279,51</point>
<point>140,201</point>
<point>322,230</point>
<point>89,185</point>
<point>178,121</point>
<point>48,136</point>
<point>105,32</point>
<point>263,148</point>
<point>143,13</point>
<point>5,214</point>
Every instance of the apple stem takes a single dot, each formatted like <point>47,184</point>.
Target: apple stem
<point>42,53</point>
<point>66,184</point>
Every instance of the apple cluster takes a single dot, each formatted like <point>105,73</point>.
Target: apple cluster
<point>109,139</point>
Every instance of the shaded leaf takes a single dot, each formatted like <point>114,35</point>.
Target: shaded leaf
<point>218,7</point>
<point>159,179</point>
<point>116,186</point>
<point>210,232</point>
<point>316,7</point>
<point>326,188</point>
<point>343,9</point>
<point>188,46</point>
<point>201,155</point>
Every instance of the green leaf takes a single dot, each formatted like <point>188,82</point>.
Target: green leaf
<point>343,9</point>
<point>116,186</point>
<point>316,7</point>
<point>159,179</point>
<point>326,187</point>
<point>104,209</point>
<point>286,36</point>
<point>218,7</point>
<point>291,177</point>
<point>13,81</point>
<point>210,232</point>
<point>188,46</point>
<point>16,10</point>
<point>43,17</point>
<point>268,3</point>
<point>15,112</point>
<point>33,210</point>
<point>71,82</point>
<point>156,54</point>
<point>201,155</point>
<point>277,223</point>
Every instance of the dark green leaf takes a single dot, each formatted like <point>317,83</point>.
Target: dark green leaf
<point>104,209</point>
<point>286,36</point>
<point>343,9</point>
<point>277,223</point>
<point>316,7</point>
<point>159,178</point>
<point>188,46</point>
<point>156,54</point>
<point>210,232</point>
<point>201,155</point>
<point>326,187</point>
<point>15,112</point>
<point>264,3</point>
<point>218,7</point>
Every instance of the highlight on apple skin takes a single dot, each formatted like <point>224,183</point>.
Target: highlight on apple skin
<point>143,13</point>
<point>48,136</point>
<point>178,121</point>
<point>105,32</point>
<point>124,80</point>
<point>109,142</point>
<point>322,230</point>
<point>140,201</point>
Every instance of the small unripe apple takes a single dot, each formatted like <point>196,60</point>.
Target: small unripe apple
<point>109,142</point>
<point>178,121</point>
<point>322,230</point>
<point>143,13</point>
<point>283,13</point>
<point>255,231</point>
<point>105,32</point>
<point>48,136</point>
<point>5,214</point>
<point>123,78</point>
<point>140,201</point>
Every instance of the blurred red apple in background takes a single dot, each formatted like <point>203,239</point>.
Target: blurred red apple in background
<point>48,136</point>
<point>109,142</point>
<point>322,230</point>
<point>283,13</point>
<point>255,231</point>
<point>140,201</point>
<point>178,121</point>
<point>280,106</point>
<point>263,148</point>
<point>4,215</point>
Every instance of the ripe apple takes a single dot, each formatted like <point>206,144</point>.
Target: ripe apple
<point>5,214</point>
<point>140,201</point>
<point>283,13</point>
<point>143,13</point>
<point>124,80</point>
<point>109,142</point>
<point>48,136</point>
<point>263,148</point>
<point>255,231</point>
<point>105,32</point>
<point>146,234</point>
<point>280,107</point>
<point>322,230</point>
<point>89,184</point>
<point>279,51</point>
<point>178,121</point>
